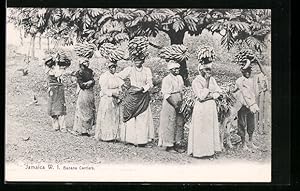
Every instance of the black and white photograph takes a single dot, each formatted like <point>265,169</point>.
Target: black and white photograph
<point>138,95</point>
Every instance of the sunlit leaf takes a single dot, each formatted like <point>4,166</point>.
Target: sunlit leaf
<point>178,25</point>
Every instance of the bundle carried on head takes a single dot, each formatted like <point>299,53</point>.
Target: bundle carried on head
<point>60,58</point>
<point>205,55</point>
<point>111,52</point>
<point>85,49</point>
<point>177,52</point>
<point>242,56</point>
<point>138,47</point>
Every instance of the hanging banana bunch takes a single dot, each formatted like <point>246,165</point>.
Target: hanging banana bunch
<point>111,52</point>
<point>85,49</point>
<point>206,54</point>
<point>138,47</point>
<point>177,52</point>
<point>188,103</point>
<point>244,55</point>
<point>224,104</point>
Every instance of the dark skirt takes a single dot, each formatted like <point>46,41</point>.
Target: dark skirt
<point>56,100</point>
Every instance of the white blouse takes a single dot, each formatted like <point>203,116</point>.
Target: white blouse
<point>201,91</point>
<point>171,84</point>
<point>139,77</point>
<point>110,83</point>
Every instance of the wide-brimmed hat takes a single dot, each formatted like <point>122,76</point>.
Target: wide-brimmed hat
<point>172,64</point>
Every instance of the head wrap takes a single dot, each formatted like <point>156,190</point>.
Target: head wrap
<point>204,66</point>
<point>172,64</point>
<point>84,62</point>
<point>109,63</point>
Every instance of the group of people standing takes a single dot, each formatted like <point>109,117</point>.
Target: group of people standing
<point>127,117</point>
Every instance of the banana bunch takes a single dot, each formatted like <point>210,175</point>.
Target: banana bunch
<point>85,49</point>
<point>242,55</point>
<point>188,103</point>
<point>138,46</point>
<point>111,52</point>
<point>62,59</point>
<point>224,104</point>
<point>174,52</point>
<point>206,54</point>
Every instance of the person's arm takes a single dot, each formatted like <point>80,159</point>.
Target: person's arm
<point>166,88</point>
<point>124,73</point>
<point>201,92</point>
<point>80,82</point>
<point>91,82</point>
<point>217,89</point>
<point>149,82</point>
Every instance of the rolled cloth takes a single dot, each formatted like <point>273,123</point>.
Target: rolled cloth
<point>134,103</point>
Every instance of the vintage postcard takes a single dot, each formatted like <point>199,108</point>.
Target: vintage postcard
<point>138,95</point>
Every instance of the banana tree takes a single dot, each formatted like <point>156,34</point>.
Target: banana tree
<point>174,22</point>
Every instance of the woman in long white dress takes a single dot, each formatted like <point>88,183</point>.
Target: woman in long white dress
<point>138,126</point>
<point>108,116</point>
<point>204,135</point>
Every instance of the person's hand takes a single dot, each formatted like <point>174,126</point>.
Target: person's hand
<point>254,108</point>
<point>179,105</point>
<point>215,95</point>
<point>209,96</point>
<point>177,109</point>
<point>116,94</point>
<point>140,89</point>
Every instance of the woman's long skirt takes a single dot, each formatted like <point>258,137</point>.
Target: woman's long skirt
<point>204,135</point>
<point>108,120</point>
<point>85,111</point>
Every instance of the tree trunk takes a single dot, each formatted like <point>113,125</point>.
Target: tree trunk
<point>21,37</point>
<point>29,50</point>
<point>40,42</point>
<point>177,38</point>
<point>33,47</point>
<point>48,43</point>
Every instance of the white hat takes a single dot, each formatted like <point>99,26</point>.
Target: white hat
<point>203,66</point>
<point>172,64</point>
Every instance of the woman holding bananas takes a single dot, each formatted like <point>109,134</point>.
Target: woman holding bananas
<point>138,126</point>
<point>108,117</point>
<point>171,121</point>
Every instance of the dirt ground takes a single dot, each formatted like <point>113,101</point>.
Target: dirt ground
<point>30,139</point>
